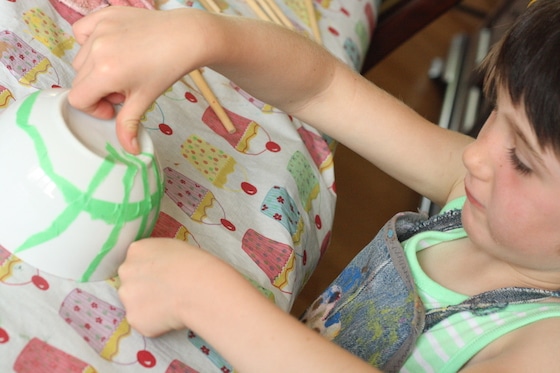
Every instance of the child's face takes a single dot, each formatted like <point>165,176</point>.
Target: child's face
<point>513,192</point>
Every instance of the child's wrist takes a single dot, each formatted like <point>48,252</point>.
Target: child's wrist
<point>200,294</point>
<point>199,38</point>
<point>217,287</point>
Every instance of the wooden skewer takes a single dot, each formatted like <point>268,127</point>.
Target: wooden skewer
<point>206,91</point>
<point>270,13</point>
<point>258,11</point>
<point>280,14</point>
<point>202,84</point>
<point>313,20</point>
<point>268,10</point>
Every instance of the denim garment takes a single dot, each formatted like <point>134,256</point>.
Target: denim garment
<point>372,308</point>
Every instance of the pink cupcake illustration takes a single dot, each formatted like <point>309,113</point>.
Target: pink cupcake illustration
<point>24,62</point>
<point>274,258</point>
<point>179,367</point>
<point>195,200</point>
<point>102,325</point>
<point>318,148</point>
<point>69,14</point>
<point>39,356</point>
<point>249,137</point>
<point>167,226</point>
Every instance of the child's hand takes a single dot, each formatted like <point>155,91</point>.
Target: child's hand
<point>157,281</point>
<point>128,56</point>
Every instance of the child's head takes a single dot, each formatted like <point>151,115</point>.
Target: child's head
<point>526,63</point>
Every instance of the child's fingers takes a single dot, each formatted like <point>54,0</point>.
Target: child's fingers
<point>87,33</point>
<point>85,26</point>
<point>90,91</point>
<point>95,105</point>
<point>89,98</point>
<point>102,109</point>
<point>80,58</point>
<point>127,133</point>
<point>128,121</point>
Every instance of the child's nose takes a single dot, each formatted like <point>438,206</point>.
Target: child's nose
<point>476,160</point>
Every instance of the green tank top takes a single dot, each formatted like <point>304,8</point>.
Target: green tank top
<point>451,343</point>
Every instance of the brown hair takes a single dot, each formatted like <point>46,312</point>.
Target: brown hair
<point>526,62</point>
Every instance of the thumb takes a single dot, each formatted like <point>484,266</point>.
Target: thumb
<point>127,133</point>
<point>128,122</point>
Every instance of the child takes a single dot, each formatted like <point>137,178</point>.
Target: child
<point>477,293</point>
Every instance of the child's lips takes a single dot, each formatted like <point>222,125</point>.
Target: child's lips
<point>473,200</point>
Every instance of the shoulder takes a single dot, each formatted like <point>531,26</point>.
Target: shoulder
<point>531,348</point>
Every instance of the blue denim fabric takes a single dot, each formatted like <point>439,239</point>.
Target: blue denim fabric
<point>372,308</point>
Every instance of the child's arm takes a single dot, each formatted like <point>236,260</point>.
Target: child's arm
<point>134,55</point>
<point>167,284</point>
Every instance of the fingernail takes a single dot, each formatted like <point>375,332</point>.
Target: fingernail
<point>135,147</point>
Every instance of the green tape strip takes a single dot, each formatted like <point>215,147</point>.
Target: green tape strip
<point>117,214</point>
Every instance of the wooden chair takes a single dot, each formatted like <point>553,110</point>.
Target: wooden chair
<point>398,21</point>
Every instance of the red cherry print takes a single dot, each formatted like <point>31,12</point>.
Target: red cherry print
<point>165,129</point>
<point>190,97</point>
<point>40,282</point>
<point>344,11</point>
<point>146,359</point>
<point>271,146</point>
<point>4,337</point>
<point>250,189</point>
<point>318,222</point>
<point>304,259</point>
<point>228,224</point>
<point>333,31</point>
<point>55,86</point>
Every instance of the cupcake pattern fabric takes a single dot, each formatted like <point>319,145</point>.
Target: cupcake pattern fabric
<point>262,198</point>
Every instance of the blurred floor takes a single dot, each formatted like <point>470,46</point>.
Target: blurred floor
<point>367,198</point>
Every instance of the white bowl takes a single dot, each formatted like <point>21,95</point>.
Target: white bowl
<point>71,199</point>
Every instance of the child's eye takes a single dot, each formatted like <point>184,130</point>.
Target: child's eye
<point>519,166</point>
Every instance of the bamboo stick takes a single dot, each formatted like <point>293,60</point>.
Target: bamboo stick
<point>269,12</point>
<point>258,10</point>
<point>202,84</point>
<point>280,14</point>
<point>313,21</point>
<point>206,91</point>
